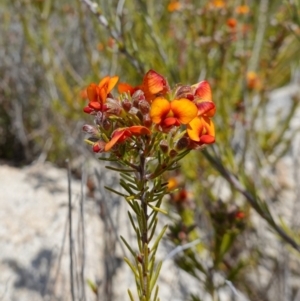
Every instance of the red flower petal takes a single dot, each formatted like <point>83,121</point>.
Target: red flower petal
<point>169,121</point>
<point>203,91</point>
<point>95,105</point>
<point>154,82</point>
<point>99,146</point>
<point>118,135</point>
<point>206,107</point>
<point>88,110</point>
<point>207,139</point>
<point>92,92</point>
<point>139,130</point>
<point>125,88</point>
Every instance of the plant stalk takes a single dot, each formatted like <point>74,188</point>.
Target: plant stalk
<point>144,234</point>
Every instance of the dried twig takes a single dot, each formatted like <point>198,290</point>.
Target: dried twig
<point>94,8</point>
<point>82,232</point>
<point>70,233</point>
<point>180,248</point>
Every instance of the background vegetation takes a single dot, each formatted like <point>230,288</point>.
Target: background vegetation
<point>50,51</point>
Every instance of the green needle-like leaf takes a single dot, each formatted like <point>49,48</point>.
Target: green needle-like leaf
<point>159,237</point>
<point>158,209</point>
<point>135,272</point>
<point>128,246</point>
<point>155,276</point>
<point>130,295</point>
<point>116,192</point>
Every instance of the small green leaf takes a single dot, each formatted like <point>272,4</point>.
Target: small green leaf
<point>159,237</point>
<point>120,169</point>
<point>158,209</point>
<point>130,295</point>
<point>92,286</point>
<point>128,246</point>
<point>226,243</point>
<point>116,192</point>
<point>155,276</point>
<point>136,274</point>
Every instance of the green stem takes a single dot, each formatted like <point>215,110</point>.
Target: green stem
<point>144,236</point>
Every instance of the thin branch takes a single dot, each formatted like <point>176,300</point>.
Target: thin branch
<point>108,213</point>
<point>179,249</point>
<point>235,292</point>
<point>70,233</point>
<point>261,29</point>
<point>229,177</point>
<point>53,284</point>
<point>94,8</point>
<point>82,230</point>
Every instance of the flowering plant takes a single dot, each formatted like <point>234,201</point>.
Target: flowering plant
<point>147,129</point>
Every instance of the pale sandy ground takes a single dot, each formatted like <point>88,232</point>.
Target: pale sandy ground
<point>33,221</point>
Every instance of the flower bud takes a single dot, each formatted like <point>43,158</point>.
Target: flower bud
<point>147,121</point>
<point>135,102</point>
<point>106,124</point>
<point>140,115</point>
<point>173,153</point>
<point>137,97</point>
<point>144,107</point>
<point>99,118</point>
<point>88,128</point>
<point>114,110</point>
<point>139,258</point>
<point>164,146</point>
<point>139,94</point>
<point>184,92</point>
<point>182,143</point>
<point>99,146</point>
<point>182,236</point>
<point>126,104</point>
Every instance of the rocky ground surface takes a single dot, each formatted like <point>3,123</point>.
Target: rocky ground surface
<point>33,233</point>
<point>34,239</point>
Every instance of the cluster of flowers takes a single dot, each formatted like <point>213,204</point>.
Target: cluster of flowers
<point>183,113</point>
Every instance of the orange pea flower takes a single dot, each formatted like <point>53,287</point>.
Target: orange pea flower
<point>97,94</point>
<point>126,88</point>
<point>153,85</point>
<point>240,215</point>
<point>218,3</point>
<point>180,197</point>
<point>173,6</point>
<point>176,112</point>
<point>231,22</point>
<point>201,130</point>
<point>253,81</point>
<point>122,134</point>
<point>242,9</point>
<point>172,184</point>
<point>203,99</point>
